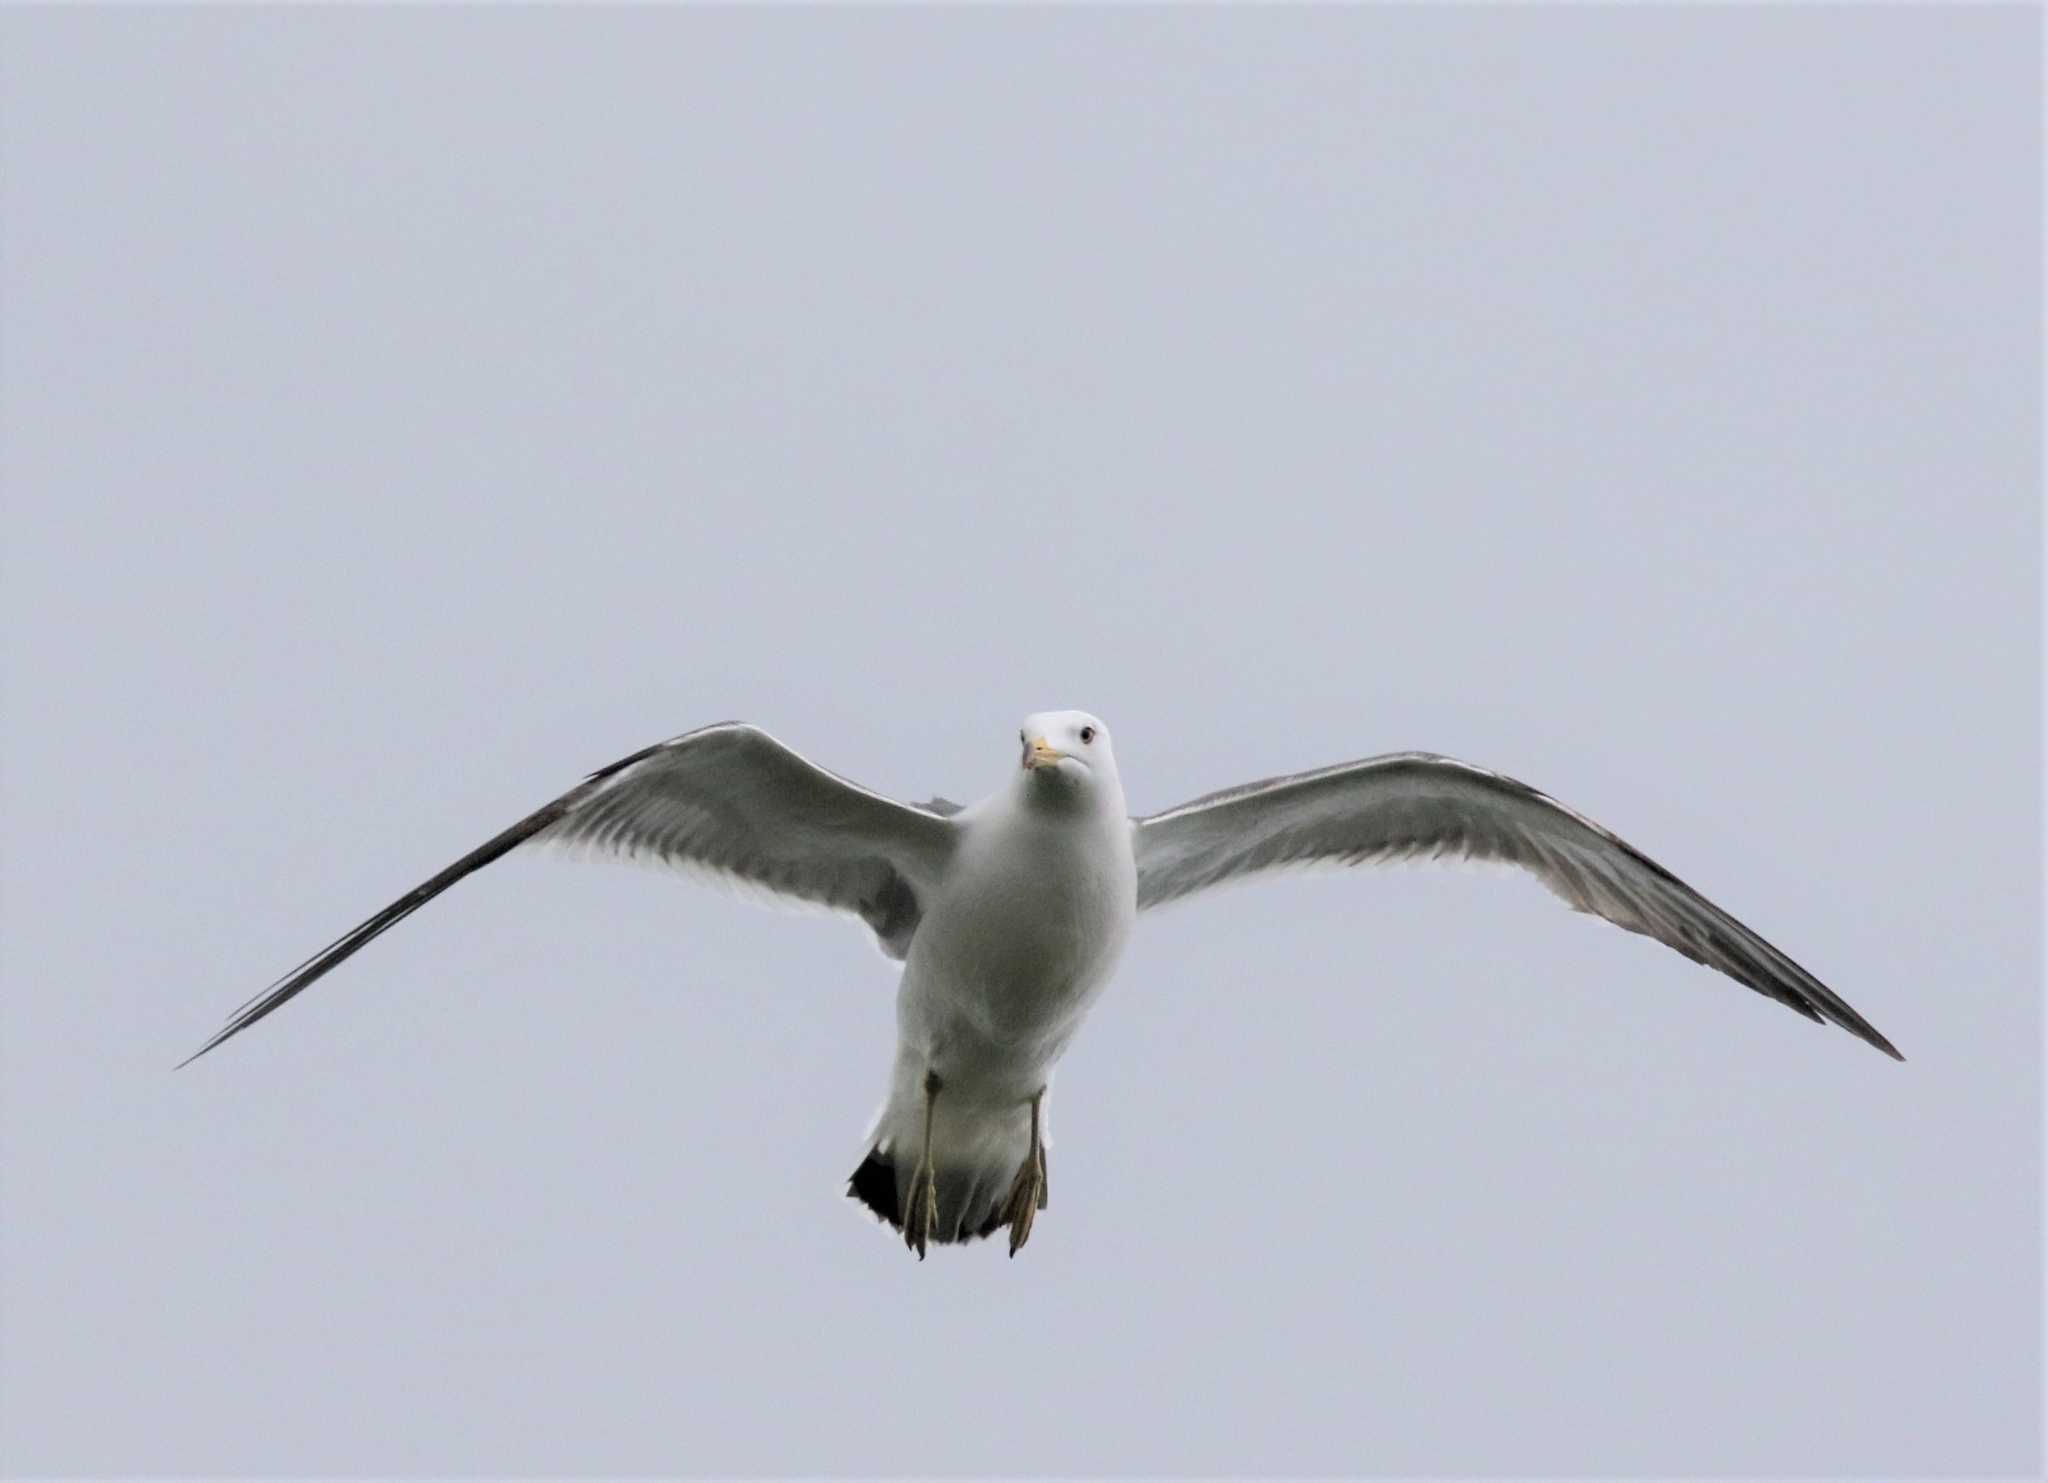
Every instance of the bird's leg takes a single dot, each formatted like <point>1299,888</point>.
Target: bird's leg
<point>1028,1192</point>
<point>921,1210</point>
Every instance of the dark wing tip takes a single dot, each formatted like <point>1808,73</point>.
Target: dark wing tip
<point>240,1020</point>
<point>1823,1006</point>
<point>216,1040</point>
<point>274,998</point>
<point>1868,1033</point>
<point>1829,1007</point>
<point>347,945</point>
<point>1814,999</point>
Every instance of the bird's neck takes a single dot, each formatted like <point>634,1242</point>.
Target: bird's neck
<point>1071,804</point>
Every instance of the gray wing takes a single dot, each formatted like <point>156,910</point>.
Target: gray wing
<point>728,800</point>
<point>1414,804</point>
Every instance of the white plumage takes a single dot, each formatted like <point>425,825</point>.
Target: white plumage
<point>1010,915</point>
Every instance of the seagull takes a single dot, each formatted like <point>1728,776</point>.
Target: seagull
<point>1010,915</point>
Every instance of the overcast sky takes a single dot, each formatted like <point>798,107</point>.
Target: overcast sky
<point>406,412</point>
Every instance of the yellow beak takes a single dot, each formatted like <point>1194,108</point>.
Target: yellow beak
<point>1040,753</point>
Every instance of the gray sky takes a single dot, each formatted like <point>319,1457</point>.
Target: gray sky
<point>407,412</point>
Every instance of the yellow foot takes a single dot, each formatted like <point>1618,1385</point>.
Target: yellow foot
<point>1027,1198</point>
<point>921,1209</point>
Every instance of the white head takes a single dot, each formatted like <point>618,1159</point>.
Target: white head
<point>1067,761</point>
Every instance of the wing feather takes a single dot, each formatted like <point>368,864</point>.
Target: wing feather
<point>728,800</point>
<point>1410,804</point>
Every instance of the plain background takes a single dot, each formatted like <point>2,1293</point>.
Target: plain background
<point>405,413</point>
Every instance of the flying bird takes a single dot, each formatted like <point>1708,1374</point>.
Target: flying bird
<point>1010,915</point>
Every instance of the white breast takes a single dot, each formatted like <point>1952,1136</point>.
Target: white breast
<point>1029,925</point>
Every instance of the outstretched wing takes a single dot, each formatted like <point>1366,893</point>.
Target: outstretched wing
<point>727,800</point>
<point>1410,804</point>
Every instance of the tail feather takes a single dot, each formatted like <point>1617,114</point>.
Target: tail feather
<point>874,1185</point>
<point>977,1144</point>
<point>970,1207</point>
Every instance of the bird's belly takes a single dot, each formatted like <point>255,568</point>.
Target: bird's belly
<point>1002,972</point>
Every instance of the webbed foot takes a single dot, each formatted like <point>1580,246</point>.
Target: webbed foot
<point>921,1209</point>
<point>1028,1191</point>
<point>1027,1198</point>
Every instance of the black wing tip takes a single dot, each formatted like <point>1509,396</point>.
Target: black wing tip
<point>239,1021</point>
<point>1836,1010</point>
<point>216,1040</point>
<point>1842,1016</point>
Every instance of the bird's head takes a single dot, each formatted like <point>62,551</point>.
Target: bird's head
<point>1066,756</point>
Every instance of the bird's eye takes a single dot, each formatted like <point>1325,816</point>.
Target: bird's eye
<point>1087,735</point>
